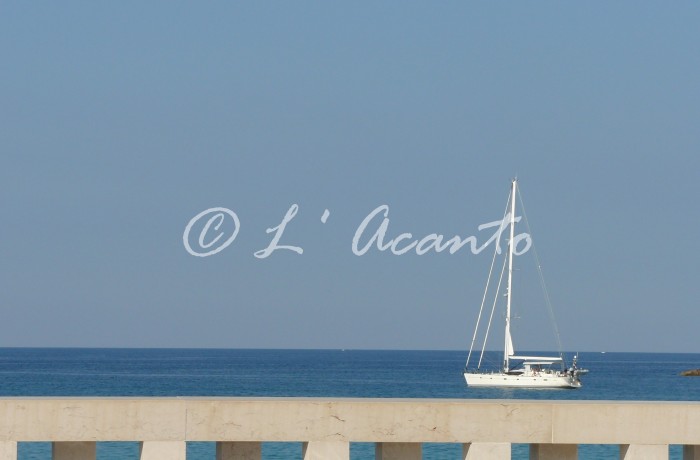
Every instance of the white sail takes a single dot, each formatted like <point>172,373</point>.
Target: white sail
<point>509,346</point>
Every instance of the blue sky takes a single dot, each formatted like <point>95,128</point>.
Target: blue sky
<point>122,121</point>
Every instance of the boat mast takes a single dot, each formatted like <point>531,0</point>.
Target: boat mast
<point>508,348</point>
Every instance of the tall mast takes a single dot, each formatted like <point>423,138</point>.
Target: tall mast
<point>508,348</point>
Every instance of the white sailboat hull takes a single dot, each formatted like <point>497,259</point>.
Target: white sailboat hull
<point>497,379</point>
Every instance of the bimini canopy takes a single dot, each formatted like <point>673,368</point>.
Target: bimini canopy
<point>539,359</point>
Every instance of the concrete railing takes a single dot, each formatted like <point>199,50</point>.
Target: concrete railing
<point>327,426</point>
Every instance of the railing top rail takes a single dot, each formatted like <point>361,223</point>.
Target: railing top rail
<point>348,419</point>
<point>274,399</point>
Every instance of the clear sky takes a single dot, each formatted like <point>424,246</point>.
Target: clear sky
<point>121,121</point>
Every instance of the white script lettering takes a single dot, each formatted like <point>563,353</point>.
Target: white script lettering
<point>219,217</point>
<point>432,241</point>
<point>279,230</point>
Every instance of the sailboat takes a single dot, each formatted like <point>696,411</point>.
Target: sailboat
<point>517,370</point>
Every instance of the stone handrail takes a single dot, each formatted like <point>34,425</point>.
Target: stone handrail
<point>326,426</point>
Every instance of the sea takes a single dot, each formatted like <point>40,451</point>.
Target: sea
<point>320,373</point>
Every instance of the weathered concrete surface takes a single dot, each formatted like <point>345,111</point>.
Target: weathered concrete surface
<point>368,420</point>
<point>348,420</point>
<point>608,422</point>
<point>92,419</point>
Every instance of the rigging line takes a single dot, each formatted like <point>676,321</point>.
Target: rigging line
<point>490,361</point>
<point>493,309</point>
<point>486,290</point>
<point>493,362</point>
<point>542,283</point>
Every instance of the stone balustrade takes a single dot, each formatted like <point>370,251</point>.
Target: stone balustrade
<point>326,426</point>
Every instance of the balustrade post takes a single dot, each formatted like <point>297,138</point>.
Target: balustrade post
<point>8,450</point>
<point>73,450</point>
<point>238,451</point>
<point>553,451</point>
<point>486,451</point>
<point>160,450</point>
<point>691,452</point>
<point>398,451</point>
<point>643,452</point>
<point>326,450</point>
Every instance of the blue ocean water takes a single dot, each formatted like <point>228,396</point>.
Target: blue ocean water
<point>319,373</point>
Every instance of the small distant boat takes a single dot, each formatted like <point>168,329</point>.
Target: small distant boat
<point>518,371</point>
